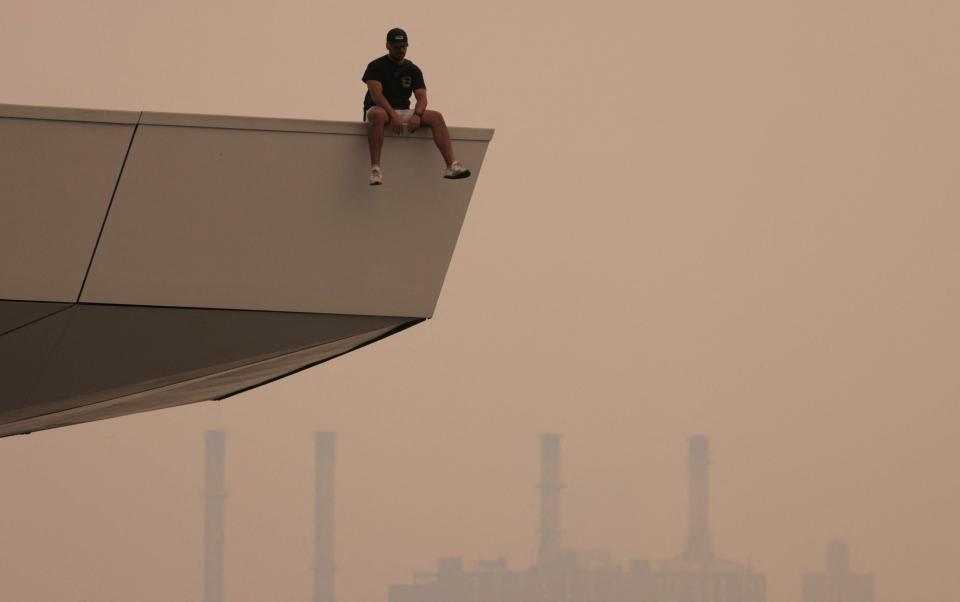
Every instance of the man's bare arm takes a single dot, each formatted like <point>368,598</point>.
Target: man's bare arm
<point>376,94</point>
<point>421,95</point>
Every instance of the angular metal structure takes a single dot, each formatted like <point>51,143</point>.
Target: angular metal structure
<point>149,260</point>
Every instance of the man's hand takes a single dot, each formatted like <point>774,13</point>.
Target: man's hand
<point>414,124</point>
<point>395,124</point>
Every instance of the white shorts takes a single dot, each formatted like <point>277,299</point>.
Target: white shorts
<point>405,115</point>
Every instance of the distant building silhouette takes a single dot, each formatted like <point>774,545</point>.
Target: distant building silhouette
<point>568,575</point>
<point>491,581</point>
<point>838,583</point>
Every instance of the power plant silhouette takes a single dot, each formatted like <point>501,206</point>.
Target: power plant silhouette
<point>561,574</point>
<point>570,575</point>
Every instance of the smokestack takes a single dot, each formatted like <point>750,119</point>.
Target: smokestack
<point>550,488</point>
<point>214,516</point>
<point>838,558</point>
<point>698,535</point>
<point>323,548</point>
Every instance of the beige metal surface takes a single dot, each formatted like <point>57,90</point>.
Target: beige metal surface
<point>56,178</point>
<point>354,128</point>
<point>68,114</point>
<point>286,221</point>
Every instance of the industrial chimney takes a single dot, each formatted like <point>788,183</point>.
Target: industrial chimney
<point>550,488</point>
<point>699,547</point>
<point>324,567</point>
<point>214,495</point>
<point>838,558</point>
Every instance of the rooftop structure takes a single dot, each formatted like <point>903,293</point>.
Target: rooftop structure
<point>149,260</point>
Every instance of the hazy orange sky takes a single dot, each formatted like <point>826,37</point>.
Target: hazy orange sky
<point>738,219</point>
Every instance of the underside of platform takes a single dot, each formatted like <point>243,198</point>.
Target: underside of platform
<point>86,362</point>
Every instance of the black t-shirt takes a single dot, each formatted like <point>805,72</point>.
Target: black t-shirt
<point>399,81</point>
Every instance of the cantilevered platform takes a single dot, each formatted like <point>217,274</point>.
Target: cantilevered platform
<point>149,260</point>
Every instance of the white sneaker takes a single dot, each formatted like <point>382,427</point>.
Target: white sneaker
<point>376,175</point>
<point>456,171</point>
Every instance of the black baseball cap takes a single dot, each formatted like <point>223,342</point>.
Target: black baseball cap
<point>397,37</point>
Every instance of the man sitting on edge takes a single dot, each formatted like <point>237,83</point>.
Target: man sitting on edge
<point>390,79</point>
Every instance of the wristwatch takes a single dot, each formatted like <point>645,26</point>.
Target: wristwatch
<point>418,114</point>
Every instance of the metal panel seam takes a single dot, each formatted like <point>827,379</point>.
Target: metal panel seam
<point>34,321</point>
<point>106,215</point>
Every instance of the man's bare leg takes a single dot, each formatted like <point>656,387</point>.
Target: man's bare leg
<point>378,121</point>
<point>441,135</point>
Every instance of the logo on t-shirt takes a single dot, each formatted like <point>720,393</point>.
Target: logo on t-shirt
<point>406,81</point>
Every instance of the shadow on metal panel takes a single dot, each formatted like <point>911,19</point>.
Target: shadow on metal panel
<point>16,314</point>
<point>24,355</point>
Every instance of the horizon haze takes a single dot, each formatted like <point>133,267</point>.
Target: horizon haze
<point>736,220</point>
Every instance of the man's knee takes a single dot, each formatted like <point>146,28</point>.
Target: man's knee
<point>377,116</point>
<point>433,118</point>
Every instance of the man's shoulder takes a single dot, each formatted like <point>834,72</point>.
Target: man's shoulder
<point>378,62</point>
<point>375,69</point>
